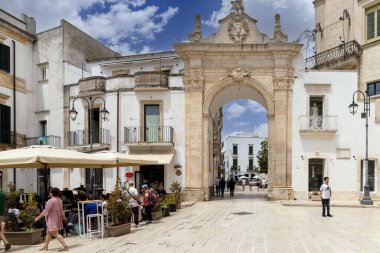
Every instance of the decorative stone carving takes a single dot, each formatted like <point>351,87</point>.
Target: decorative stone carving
<point>238,29</point>
<point>279,36</point>
<point>238,74</point>
<point>196,36</point>
<point>195,82</point>
<point>283,82</point>
<point>237,6</point>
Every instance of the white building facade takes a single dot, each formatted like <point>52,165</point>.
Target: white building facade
<point>240,155</point>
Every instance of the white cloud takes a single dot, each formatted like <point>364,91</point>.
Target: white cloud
<point>261,130</point>
<point>235,111</point>
<point>255,107</point>
<point>124,23</point>
<point>240,124</point>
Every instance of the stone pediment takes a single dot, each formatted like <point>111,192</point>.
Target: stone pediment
<point>238,28</point>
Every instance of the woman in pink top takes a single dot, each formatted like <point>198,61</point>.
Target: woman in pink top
<point>148,204</point>
<point>54,217</point>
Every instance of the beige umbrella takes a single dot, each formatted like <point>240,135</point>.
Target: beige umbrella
<point>39,156</point>
<point>121,160</point>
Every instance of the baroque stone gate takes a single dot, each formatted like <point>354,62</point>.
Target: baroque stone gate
<point>237,62</point>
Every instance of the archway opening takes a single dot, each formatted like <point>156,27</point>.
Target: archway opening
<point>239,145</point>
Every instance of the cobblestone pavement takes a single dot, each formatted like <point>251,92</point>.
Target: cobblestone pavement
<point>244,223</point>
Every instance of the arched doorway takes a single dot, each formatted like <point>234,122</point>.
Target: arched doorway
<point>233,64</point>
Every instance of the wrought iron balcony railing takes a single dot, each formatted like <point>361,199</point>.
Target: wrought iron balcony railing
<point>340,52</point>
<point>318,123</point>
<point>82,137</point>
<point>149,134</point>
<point>51,140</point>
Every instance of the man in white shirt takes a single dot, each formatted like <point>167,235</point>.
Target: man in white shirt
<point>134,202</point>
<point>243,182</point>
<point>325,192</point>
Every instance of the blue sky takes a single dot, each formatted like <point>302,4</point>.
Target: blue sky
<point>141,26</point>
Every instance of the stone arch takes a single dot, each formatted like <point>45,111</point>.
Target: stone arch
<point>263,96</point>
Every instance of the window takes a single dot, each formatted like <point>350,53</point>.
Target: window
<point>5,59</point>
<point>316,112</point>
<point>43,74</point>
<point>315,174</point>
<point>373,89</point>
<point>371,175</point>
<point>235,149</point>
<point>373,23</point>
<point>250,150</point>
<point>43,127</point>
<point>235,163</point>
<point>5,124</point>
<point>250,163</point>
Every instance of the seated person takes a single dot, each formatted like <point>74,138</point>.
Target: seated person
<point>16,212</point>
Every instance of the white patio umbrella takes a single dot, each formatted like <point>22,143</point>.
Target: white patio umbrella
<point>122,160</point>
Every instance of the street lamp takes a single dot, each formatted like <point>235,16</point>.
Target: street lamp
<point>367,109</point>
<point>104,113</point>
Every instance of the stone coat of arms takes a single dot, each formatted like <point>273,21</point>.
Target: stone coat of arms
<point>238,29</point>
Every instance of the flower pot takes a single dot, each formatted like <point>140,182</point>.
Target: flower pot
<point>156,215</point>
<point>173,207</point>
<point>118,230</point>
<point>24,237</point>
<point>165,212</point>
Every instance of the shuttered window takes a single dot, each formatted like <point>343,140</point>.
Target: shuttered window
<point>5,59</point>
<point>5,124</point>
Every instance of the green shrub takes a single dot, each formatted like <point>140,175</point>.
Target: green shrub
<point>30,212</point>
<point>118,204</point>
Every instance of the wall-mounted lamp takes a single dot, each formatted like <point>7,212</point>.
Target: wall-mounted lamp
<point>302,157</point>
<point>354,157</point>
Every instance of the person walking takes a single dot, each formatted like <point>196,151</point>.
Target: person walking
<point>148,204</point>
<point>228,187</point>
<point>258,184</point>
<point>54,217</point>
<point>231,185</point>
<point>217,181</point>
<point>3,211</point>
<point>134,202</point>
<point>243,182</point>
<point>325,192</point>
<point>264,183</point>
<point>250,184</point>
<point>222,186</point>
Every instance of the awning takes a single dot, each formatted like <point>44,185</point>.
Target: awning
<point>162,157</point>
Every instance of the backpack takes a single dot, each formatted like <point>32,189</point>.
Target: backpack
<point>153,198</point>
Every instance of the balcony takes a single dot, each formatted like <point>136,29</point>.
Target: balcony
<point>250,168</point>
<point>152,80</point>
<point>343,57</point>
<point>318,126</point>
<point>235,168</point>
<point>140,137</point>
<point>92,86</point>
<point>51,140</point>
<point>100,137</point>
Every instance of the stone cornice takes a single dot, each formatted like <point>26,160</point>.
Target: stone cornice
<point>318,2</point>
<point>194,82</point>
<point>283,82</point>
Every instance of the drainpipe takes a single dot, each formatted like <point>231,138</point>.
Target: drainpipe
<point>118,127</point>
<point>14,105</point>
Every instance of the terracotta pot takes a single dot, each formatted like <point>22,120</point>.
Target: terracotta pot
<point>156,215</point>
<point>114,231</point>
<point>24,237</point>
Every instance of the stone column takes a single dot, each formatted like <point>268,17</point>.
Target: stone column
<point>282,141</point>
<point>193,190</point>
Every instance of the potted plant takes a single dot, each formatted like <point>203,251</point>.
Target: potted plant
<point>157,212</point>
<point>171,201</point>
<point>314,196</point>
<point>23,236</point>
<point>176,188</point>
<point>165,208</point>
<point>119,211</point>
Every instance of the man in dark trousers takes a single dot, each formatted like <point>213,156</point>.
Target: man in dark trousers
<point>222,185</point>
<point>325,192</point>
<point>231,185</point>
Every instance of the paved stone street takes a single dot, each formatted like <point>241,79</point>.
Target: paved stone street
<point>246,223</point>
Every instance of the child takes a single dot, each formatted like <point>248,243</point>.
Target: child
<point>325,192</point>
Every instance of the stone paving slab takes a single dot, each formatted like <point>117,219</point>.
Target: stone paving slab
<point>244,223</point>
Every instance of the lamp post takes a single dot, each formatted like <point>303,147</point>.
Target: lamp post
<point>104,113</point>
<point>366,113</point>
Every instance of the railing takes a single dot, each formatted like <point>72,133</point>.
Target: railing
<point>152,79</point>
<point>149,134</point>
<point>318,123</point>
<point>81,137</point>
<point>235,168</point>
<point>250,168</point>
<point>51,140</point>
<point>340,52</point>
